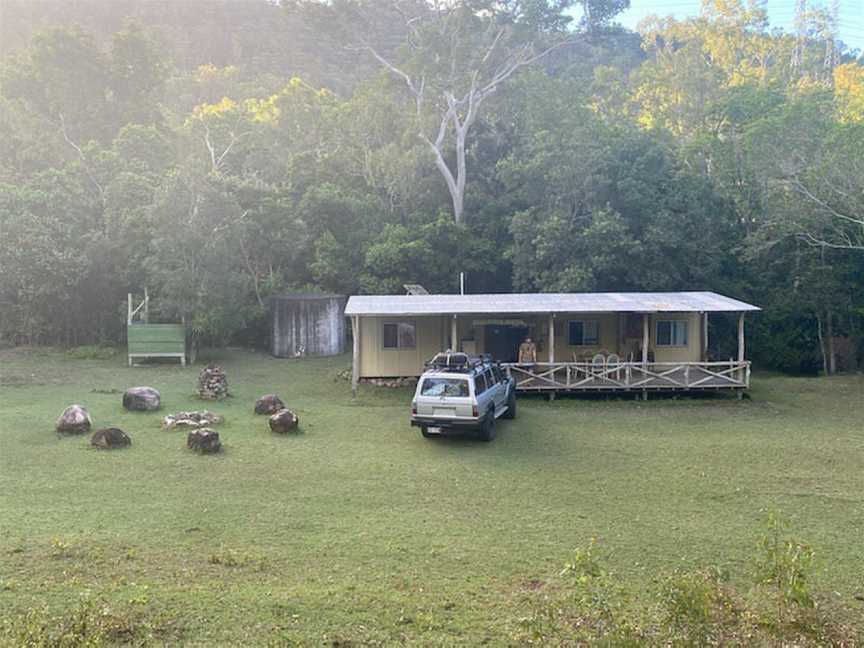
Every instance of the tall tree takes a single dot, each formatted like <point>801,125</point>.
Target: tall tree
<point>456,56</point>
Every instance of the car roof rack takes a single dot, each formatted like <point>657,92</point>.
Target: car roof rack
<point>455,361</point>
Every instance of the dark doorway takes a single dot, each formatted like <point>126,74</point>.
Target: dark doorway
<point>502,341</point>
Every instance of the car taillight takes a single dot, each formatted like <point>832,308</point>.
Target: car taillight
<point>474,411</point>
<point>414,408</point>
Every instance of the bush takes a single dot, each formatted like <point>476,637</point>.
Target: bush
<point>696,607</point>
<point>587,604</point>
<point>785,563</point>
<point>90,624</point>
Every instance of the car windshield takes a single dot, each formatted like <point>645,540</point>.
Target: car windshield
<point>444,387</point>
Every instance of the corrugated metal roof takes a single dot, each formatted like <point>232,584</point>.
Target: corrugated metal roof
<point>524,303</point>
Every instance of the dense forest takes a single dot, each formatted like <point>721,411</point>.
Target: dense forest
<point>219,152</point>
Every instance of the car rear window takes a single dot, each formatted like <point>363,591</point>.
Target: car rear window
<point>444,387</point>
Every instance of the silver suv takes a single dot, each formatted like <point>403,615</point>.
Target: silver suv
<point>458,391</point>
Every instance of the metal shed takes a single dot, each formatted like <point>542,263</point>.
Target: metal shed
<point>308,325</point>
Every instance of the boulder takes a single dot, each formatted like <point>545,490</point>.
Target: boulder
<point>108,438</point>
<point>74,420</point>
<point>194,419</point>
<point>142,399</point>
<point>284,421</point>
<point>204,440</point>
<point>269,404</point>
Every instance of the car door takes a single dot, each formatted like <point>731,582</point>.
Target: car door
<point>497,390</point>
<point>483,392</point>
<point>503,385</point>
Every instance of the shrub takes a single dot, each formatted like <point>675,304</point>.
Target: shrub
<point>785,563</point>
<point>696,607</point>
<point>90,624</point>
<point>603,606</point>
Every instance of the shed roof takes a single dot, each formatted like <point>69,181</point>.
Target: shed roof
<point>525,303</point>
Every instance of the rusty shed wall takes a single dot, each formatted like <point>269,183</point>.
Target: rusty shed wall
<point>312,325</point>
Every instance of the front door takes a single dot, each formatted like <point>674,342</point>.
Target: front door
<point>502,341</point>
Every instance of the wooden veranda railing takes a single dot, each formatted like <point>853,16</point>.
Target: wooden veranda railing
<point>625,376</point>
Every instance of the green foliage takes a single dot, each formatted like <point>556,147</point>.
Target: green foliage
<point>689,608</point>
<point>437,252</point>
<point>89,624</point>
<point>697,607</point>
<point>220,155</point>
<point>785,563</point>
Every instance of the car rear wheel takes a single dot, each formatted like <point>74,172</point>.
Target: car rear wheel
<point>511,406</point>
<point>487,428</point>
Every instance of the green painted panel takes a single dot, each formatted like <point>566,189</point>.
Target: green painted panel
<point>156,338</point>
<point>156,347</point>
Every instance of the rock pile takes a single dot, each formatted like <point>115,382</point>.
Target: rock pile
<point>205,441</point>
<point>109,438</point>
<point>284,421</point>
<point>142,399</point>
<point>194,419</point>
<point>269,404</point>
<point>212,383</point>
<point>74,420</point>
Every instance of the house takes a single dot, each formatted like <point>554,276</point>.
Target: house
<point>584,341</point>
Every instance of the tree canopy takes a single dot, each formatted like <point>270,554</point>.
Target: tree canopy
<point>221,152</point>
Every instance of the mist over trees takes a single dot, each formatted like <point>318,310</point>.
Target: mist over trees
<point>219,152</point>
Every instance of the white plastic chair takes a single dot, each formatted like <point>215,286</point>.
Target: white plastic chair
<point>598,364</point>
<point>613,366</point>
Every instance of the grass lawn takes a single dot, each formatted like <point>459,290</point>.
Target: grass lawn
<point>358,530</point>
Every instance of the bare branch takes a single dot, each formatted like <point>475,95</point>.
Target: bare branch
<point>803,190</point>
<point>507,70</point>
<point>83,159</point>
<point>846,244</point>
<point>492,46</point>
<point>395,70</point>
<point>209,146</point>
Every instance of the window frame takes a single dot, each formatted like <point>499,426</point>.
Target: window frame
<point>477,379</point>
<point>583,322</point>
<point>399,346</point>
<point>673,322</point>
<point>498,373</point>
<point>460,380</point>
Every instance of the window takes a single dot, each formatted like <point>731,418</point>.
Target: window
<point>444,387</point>
<point>584,333</point>
<point>672,333</point>
<point>479,384</point>
<point>498,374</point>
<point>399,335</point>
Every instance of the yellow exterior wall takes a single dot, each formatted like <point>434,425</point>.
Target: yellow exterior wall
<point>378,362</point>
<point>607,340</point>
<point>692,352</point>
<point>433,335</point>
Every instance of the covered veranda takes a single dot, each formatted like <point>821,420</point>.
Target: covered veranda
<point>585,342</point>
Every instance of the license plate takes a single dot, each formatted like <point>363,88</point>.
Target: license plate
<point>442,411</point>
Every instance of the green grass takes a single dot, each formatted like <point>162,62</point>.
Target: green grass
<point>360,530</point>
